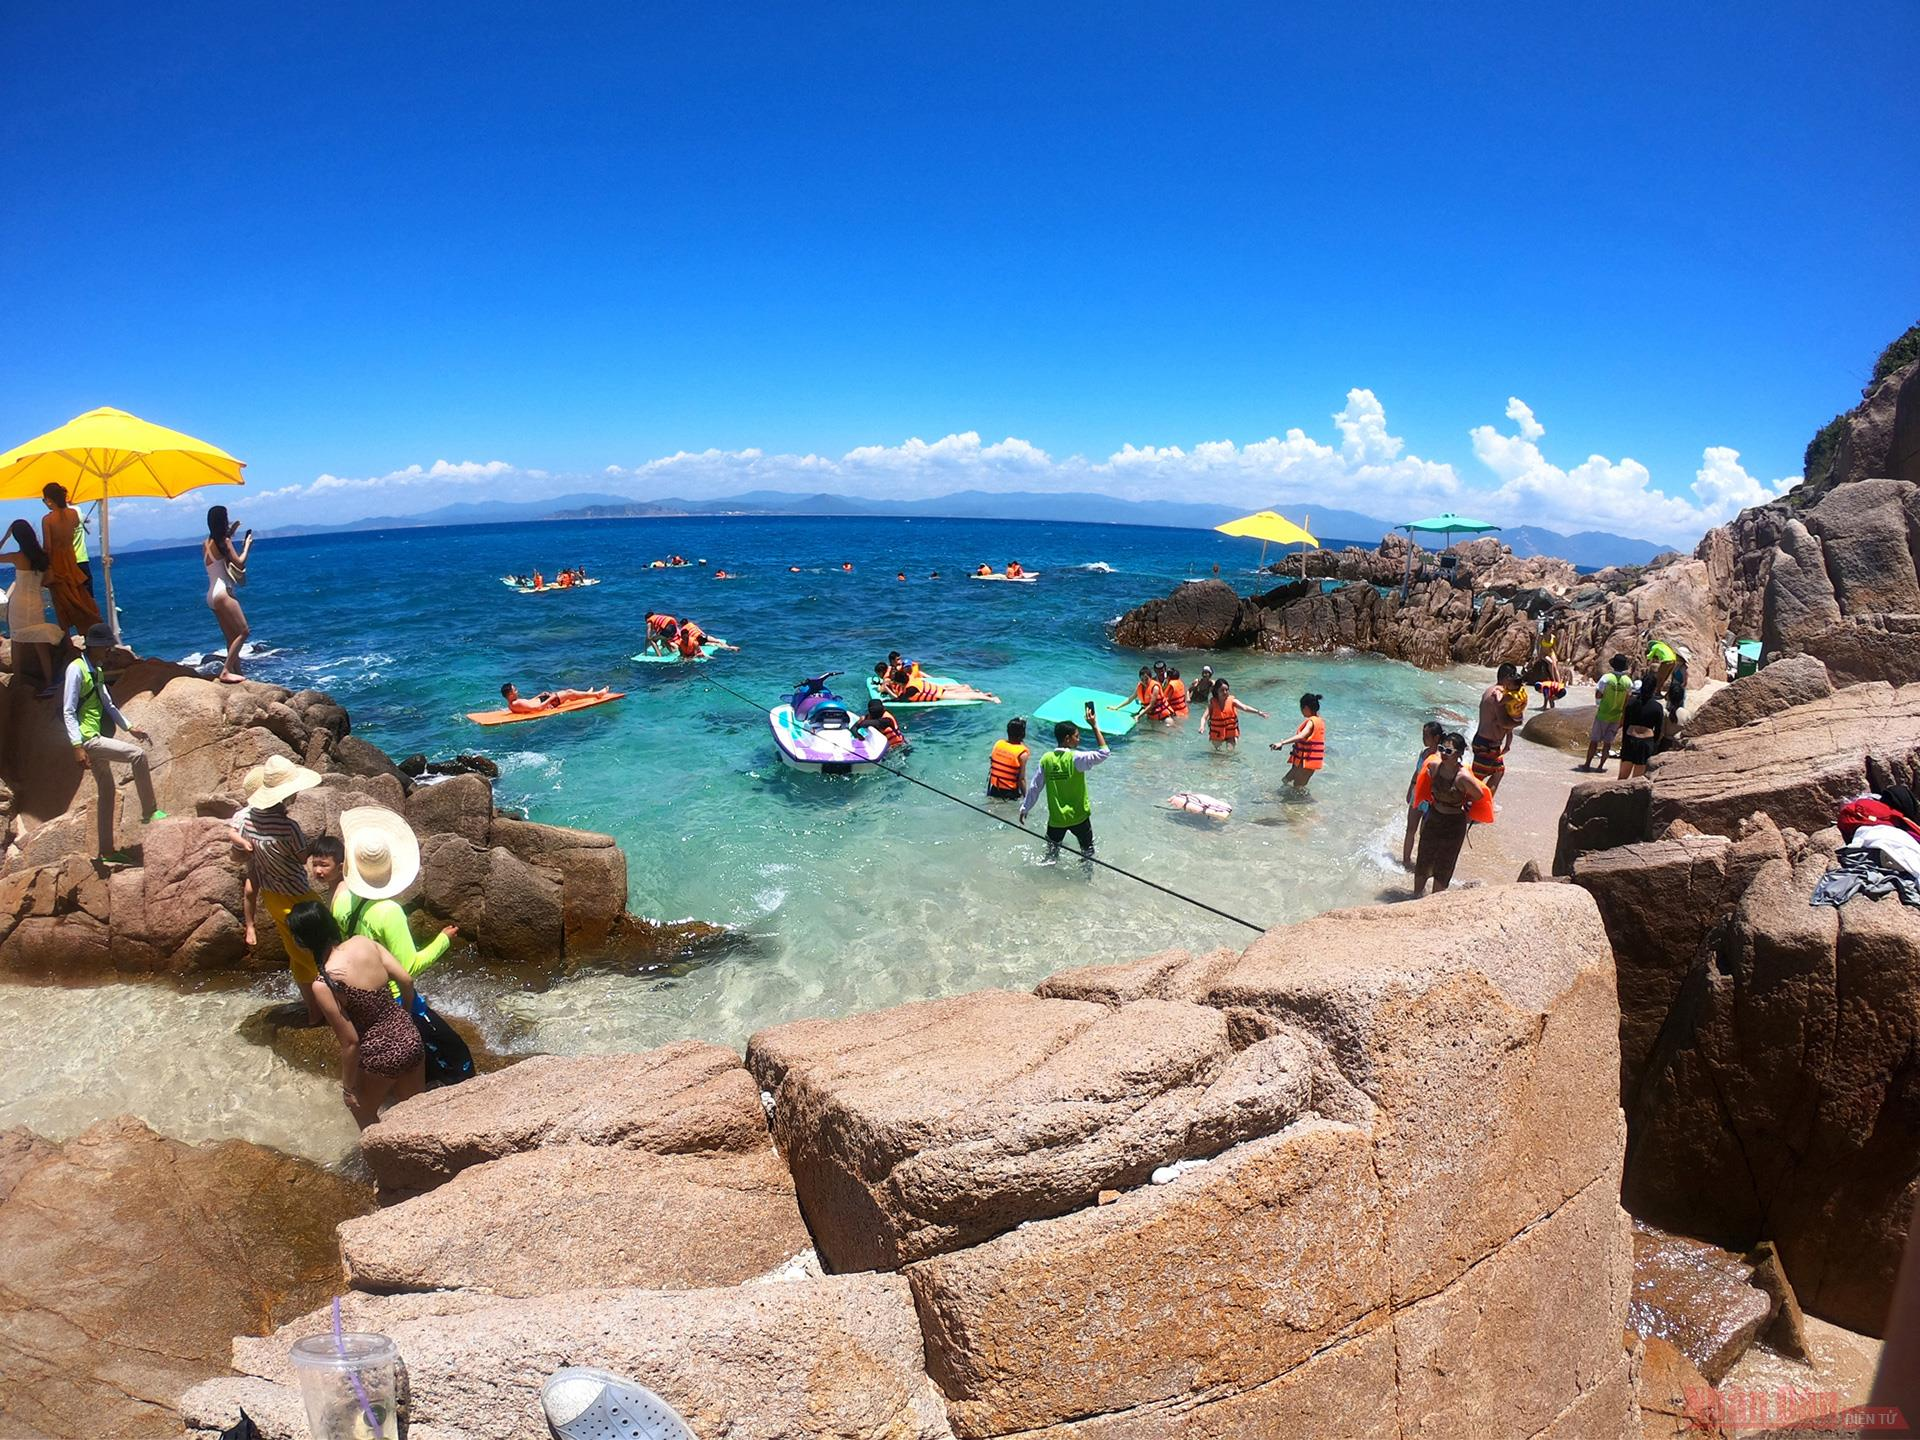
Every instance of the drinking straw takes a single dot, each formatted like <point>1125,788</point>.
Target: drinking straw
<point>353,1376</point>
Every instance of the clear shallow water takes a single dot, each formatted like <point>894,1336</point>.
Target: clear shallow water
<point>860,893</point>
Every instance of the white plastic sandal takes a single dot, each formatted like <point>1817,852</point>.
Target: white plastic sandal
<point>586,1404</point>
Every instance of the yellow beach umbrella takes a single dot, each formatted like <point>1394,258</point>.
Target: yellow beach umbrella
<point>109,454</point>
<point>1269,528</point>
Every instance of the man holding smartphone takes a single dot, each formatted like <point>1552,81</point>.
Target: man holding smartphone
<point>1062,774</point>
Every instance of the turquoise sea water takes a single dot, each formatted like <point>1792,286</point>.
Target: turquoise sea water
<point>855,893</point>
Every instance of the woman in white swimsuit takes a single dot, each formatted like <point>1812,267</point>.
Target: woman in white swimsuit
<point>219,556</point>
<point>27,623</point>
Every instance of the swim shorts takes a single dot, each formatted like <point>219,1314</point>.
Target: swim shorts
<point>1605,730</point>
<point>1488,758</point>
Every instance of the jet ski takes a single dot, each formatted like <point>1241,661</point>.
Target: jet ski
<point>813,731</point>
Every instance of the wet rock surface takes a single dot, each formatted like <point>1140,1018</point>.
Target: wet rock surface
<point>1696,1297</point>
<point>128,1262</point>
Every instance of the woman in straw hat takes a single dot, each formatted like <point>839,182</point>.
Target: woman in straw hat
<point>276,850</point>
<point>376,858</point>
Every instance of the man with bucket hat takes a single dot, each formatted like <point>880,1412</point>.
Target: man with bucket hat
<point>93,721</point>
<point>276,850</point>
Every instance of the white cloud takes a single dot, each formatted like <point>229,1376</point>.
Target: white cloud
<point>1365,468</point>
<point>1617,495</point>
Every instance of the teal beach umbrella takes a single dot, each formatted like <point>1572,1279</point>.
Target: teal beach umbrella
<point>1449,525</point>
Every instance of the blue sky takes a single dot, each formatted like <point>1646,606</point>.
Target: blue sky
<point>780,242</point>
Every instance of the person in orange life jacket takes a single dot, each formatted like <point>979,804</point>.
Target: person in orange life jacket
<point>878,717</point>
<point>1309,743</point>
<point>1007,765</point>
<point>1175,692</point>
<point>1455,798</point>
<point>1014,570</point>
<point>1061,776</point>
<point>1146,694</point>
<point>662,631</point>
<point>1431,734</point>
<point>1223,715</point>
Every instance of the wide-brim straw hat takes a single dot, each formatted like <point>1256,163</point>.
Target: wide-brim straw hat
<point>383,855</point>
<point>278,778</point>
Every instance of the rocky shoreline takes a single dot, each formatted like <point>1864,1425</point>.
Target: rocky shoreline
<point>1826,571</point>
<point>1391,1171</point>
<point>541,898</point>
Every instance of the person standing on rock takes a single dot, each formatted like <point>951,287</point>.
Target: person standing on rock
<point>1062,775</point>
<point>276,850</point>
<point>92,720</point>
<point>226,570</point>
<point>1610,703</point>
<point>1498,721</point>
<point>72,591</point>
<point>33,636</point>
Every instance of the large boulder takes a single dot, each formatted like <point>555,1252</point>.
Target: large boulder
<point>1223,1280</point>
<point>129,1262</point>
<point>1200,615</point>
<point>1450,1258</point>
<point>1565,727</point>
<point>937,1125</point>
<point>1760,696</point>
<point>1796,765</point>
<point>683,1099</point>
<point>829,1359</point>
<point>569,1217</point>
<point>1767,1048</point>
<point>590,869</point>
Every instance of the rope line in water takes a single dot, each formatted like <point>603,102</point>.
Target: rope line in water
<point>1016,825</point>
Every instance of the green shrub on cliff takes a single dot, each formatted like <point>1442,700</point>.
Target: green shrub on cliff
<point>1900,353</point>
<point>1817,464</point>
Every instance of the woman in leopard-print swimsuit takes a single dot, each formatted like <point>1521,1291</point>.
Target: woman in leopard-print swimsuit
<point>382,1057</point>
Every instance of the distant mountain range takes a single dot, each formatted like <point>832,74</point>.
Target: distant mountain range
<point>1588,548</point>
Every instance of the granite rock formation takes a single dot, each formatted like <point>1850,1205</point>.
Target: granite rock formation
<point>1360,1180</point>
<point>128,1262</point>
<point>521,893</point>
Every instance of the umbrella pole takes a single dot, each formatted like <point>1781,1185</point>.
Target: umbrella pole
<point>1406,583</point>
<point>106,565</point>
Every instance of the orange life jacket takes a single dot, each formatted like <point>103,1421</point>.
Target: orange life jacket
<point>890,728</point>
<point>1004,765</point>
<point>1479,809</point>
<point>688,643</point>
<point>1223,724</point>
<point>660,624</point>
<point>1175,694</point>
<point>1150,698</point>
<point>1311,753</point>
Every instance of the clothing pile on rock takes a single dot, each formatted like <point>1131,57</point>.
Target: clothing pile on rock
<point>1881,855</point>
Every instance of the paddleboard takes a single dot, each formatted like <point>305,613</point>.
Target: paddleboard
<point>1071,704</point>
<point>507,581</point>
<point>673,657</point>
<point>1195,803</point>
<point>1026,579</point>
<point>513,717</point>
<point>875,692</point>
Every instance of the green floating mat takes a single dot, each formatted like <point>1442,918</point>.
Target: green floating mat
<point>1071,704</point>
<point>875,692</point>
<point>672,657</point>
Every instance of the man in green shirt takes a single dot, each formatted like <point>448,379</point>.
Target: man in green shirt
<point>1610,697</point>
<point>1062,774</point>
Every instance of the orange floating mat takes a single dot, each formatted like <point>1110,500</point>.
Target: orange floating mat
<point>514,717</point>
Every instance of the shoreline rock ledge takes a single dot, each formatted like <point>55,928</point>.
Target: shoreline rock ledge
<point>1359,1180</point>
<point>522,893</point>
